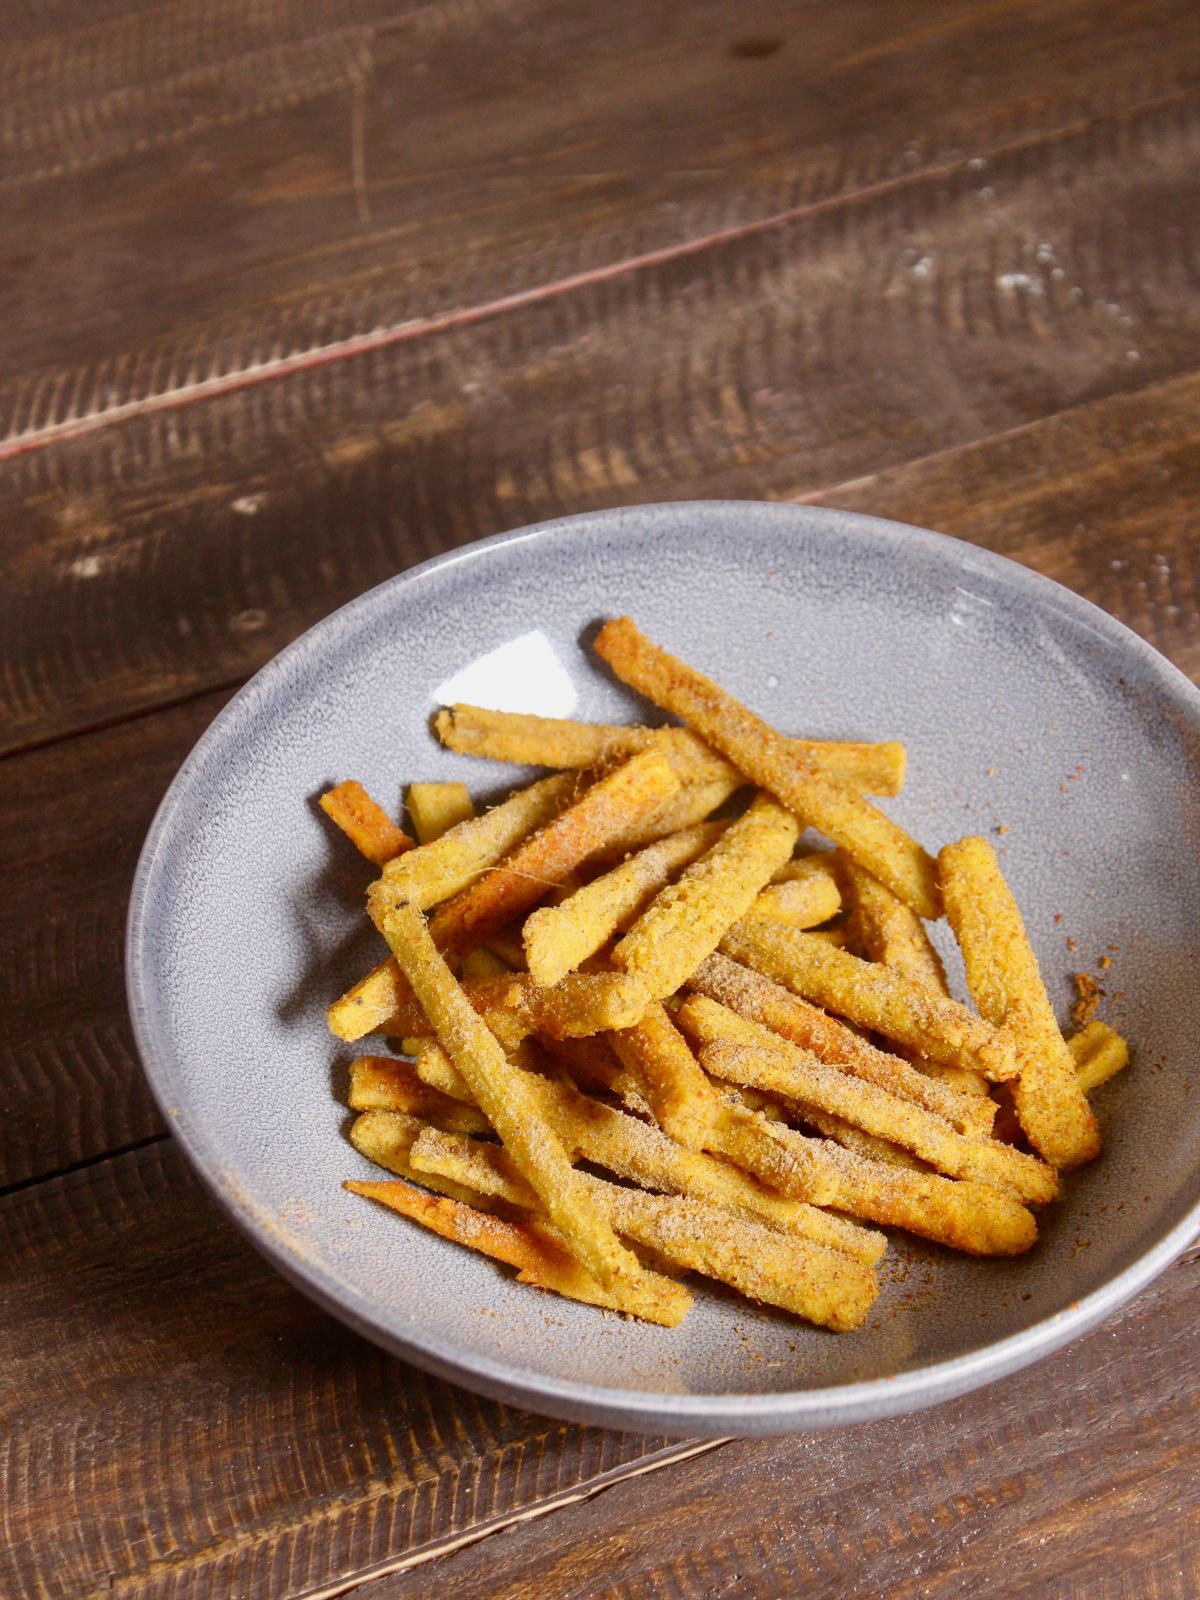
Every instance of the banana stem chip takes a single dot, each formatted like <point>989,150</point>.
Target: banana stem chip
<point>802,893</point>
<point>1099,1052</point>
<point>692,804</point>
<point>1006,985</point>
<point>435,808</point>
<point>886,930</point>
<point>823,1285</point>
<point>747,1053</point>
<point>539,1258</point>
<point>685,921</point>
<point>873,996</point>
<point>581,1004</point>
<point>556,742</point>
<point>506,1096</point>
<point>548,856</point>
<point>557,938</point>
<point>365,823</point>
<point>756,997</point>
<point>837,809</point>
<point>645,1155</point>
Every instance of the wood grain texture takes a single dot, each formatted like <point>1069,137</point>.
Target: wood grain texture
<point>299,292</point>
<point>75,815</point>
<point>1102,499</point>
<point>1062,495</point>
<point>425,158</point>
<point>178,1422</point>
<point>180,549</point>
<point>1078,1478</point>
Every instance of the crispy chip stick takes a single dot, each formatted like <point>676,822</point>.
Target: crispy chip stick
<point>581,1004</point>
<point>838,809</point>
<point>557,938</point>
<point>685,921</point>
<point>379,1083</point>
<point>755,997</point>
<point>692,1110</point>
<point>538,1257</point>
<point>1006,985</point>
<point>862,1144</point>
<point>433,872</point>
<point>747,1053</point>
<point>430,874</point>
<point>387,1137</point>
<point>485,963</point>
<point>889,931</point>
<point>505,1095</point>
<point>643,1154</point>
<point>967,1216</point>
<point>886,930</point>
<point>555,742</point>
<point>435,808</point>
<point>1099,1052</point>
<point>820,1284</point>
<point>873,996</point>
<point>683,1100</point>
<point>802,893</point>
<point>875,1112</point>
<point>549,855</point>
<point>692,803</point>
<point>825,1286</point>
<point>364,822</point>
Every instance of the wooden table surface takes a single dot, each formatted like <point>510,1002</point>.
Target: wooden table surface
<point>299,292</point>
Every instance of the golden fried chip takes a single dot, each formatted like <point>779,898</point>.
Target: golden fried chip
<point>747,1053</point>
<point>873,996</point>
<point>756,997</point>
<point>435,808</point>
<point>381,1083</point>
<point>645,1155</point>
<point>825,1286</point>
<point>539,1258</point>
<point>685,921</point>
<point>364,822</point>
<point>1006,985</point>
<point>840,811</point>
<point>555,742</point>
<point>1099,1052</point>
<point>802,893</point>
<point>886,930</point>
<point>557,938</point>
<point>548,856</point>
<point>505,1094</point>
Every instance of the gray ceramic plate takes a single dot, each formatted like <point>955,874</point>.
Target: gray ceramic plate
<point>1023,708</point>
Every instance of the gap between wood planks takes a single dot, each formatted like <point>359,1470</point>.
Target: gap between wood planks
<point>222,686</point>
<point>466,316</point>
<point>672,1456</point>
<point>82,1164</point>
<point>133,1582</point>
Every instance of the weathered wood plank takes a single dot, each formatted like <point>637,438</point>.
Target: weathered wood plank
<point>179,550</point>
<point>177,1421</point>
<point>1078,1478</point>
<point>1061,495</point>
<point>428,157</point>
<point>1098,500</point>
<point>75,815</point>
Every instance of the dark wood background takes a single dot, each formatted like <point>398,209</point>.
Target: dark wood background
<point>296,293</point>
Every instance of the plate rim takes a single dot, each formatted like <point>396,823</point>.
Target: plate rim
<point>771,1412</point>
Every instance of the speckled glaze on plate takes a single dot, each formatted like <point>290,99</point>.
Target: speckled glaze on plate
<point>1023,708</point>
